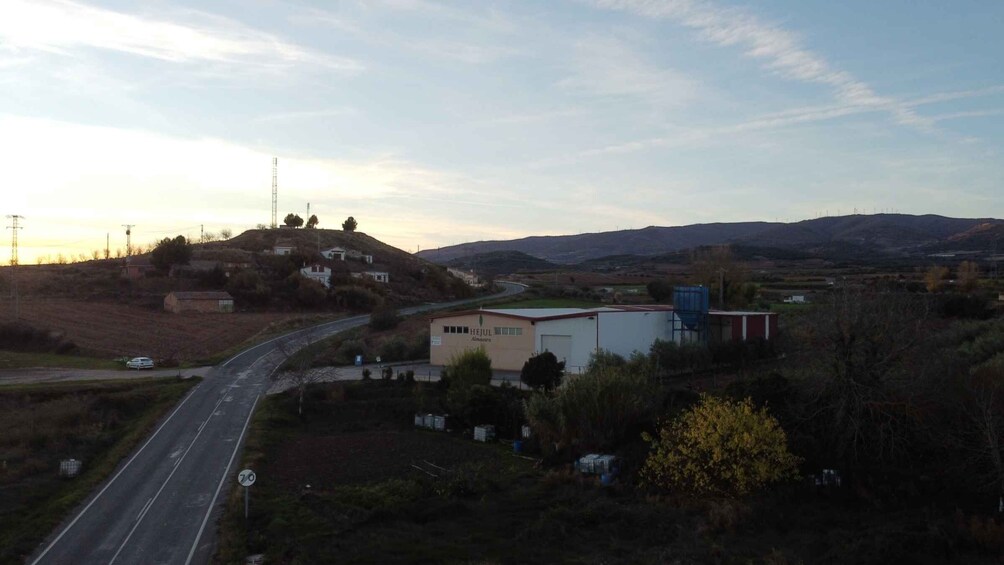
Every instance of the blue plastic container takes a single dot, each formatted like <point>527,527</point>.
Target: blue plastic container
<point>517,446</point>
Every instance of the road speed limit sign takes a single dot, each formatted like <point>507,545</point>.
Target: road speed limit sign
<point>246,478</point>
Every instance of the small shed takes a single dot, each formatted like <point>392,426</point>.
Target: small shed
<point>208,301</point>
<point>334,252</point>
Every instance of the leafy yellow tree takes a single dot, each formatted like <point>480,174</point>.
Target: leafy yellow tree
<point>719,447</point>
<point>934,278</point>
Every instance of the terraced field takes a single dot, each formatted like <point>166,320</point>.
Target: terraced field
<point>106,329</point>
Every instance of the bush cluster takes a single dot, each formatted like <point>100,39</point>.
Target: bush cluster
<point>598,410</point>
<point>19,336</point>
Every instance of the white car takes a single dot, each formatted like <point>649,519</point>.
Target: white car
<point>140,363</point>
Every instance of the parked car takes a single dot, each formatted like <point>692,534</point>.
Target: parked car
<point>140,363</point>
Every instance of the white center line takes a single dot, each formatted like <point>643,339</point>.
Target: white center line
<point>143,511</point>
<point>157,495</point>
<point>122,470</point>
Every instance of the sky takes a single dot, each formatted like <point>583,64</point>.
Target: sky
<point>440,123</point>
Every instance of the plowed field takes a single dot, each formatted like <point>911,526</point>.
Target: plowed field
<point>107,329</point>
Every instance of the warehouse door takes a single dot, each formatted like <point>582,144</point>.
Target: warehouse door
<point>560,345</point>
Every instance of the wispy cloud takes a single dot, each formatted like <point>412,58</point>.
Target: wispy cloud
<point>467,41</point>
<point>306,115</point>
<point>970,114</point>
<point>609,67</point>
<point>779,50</point>
<point>60,26</point>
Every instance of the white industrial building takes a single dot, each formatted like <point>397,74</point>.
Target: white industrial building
<point>511,336</point>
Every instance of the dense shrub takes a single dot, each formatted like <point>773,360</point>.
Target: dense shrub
<point>964,306</point>
<point>248,286</point>
<point>310,293</point>
<point>671,357</point>
<point>597,410</point>
<point>419,346</point>
<point>384,318</point>
<point>394,349</point>
<point>719,447</point>
<point>355,297</point>
<point>19,336</point>
<point>603,359</point>
<point>472,367</point>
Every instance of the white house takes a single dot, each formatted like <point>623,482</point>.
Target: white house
<point>333,253</point>
<point>378,276</point>
<point>795,299</point>
<point>319,273</point>
<point>352,253</point>
<point>283,248</point>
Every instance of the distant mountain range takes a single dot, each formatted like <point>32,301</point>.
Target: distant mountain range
<point>882,234</point>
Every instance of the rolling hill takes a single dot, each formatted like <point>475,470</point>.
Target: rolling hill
<point>878,234</point>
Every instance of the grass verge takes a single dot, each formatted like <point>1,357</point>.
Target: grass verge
<point>22,360</point>
<point>98,423</point>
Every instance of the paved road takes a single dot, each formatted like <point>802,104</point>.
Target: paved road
<point>161,505</point>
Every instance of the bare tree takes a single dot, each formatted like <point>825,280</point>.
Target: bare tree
<point>295,367</point>
<point>861,400</point>
<point>226,233</point>
<point>981,431</point>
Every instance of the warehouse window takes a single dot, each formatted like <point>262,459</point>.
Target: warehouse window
<point>508,331</point>
<point>456,330</point>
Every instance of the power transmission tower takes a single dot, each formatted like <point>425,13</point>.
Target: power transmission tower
<point>202,233</point>
<point>14,262</point>
<point>108,251</point>
<point>275,189</point>
<point>128,228</point>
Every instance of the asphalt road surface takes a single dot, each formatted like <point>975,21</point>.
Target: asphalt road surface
<point>161,504</point>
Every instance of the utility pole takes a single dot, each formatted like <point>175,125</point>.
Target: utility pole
<point>275,189</point>
<point>721,288</point>
<point>108,252</point>
<point>13,263</point>
<point>202,233</point>
<point>128,228</point>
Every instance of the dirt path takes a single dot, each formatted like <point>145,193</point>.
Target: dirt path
<point>50,375</point>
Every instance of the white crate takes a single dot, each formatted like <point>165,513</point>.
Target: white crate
<point>596,464</point>
<point>484,433</point>
<point>526,432</point>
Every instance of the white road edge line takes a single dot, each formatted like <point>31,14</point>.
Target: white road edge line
<point>122,470</point>
<point>226,473</point>
<point>157,494</point>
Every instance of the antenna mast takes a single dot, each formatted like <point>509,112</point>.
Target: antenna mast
<point>128,228</point>
<point>275,189</point>
<point>14,262</point>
